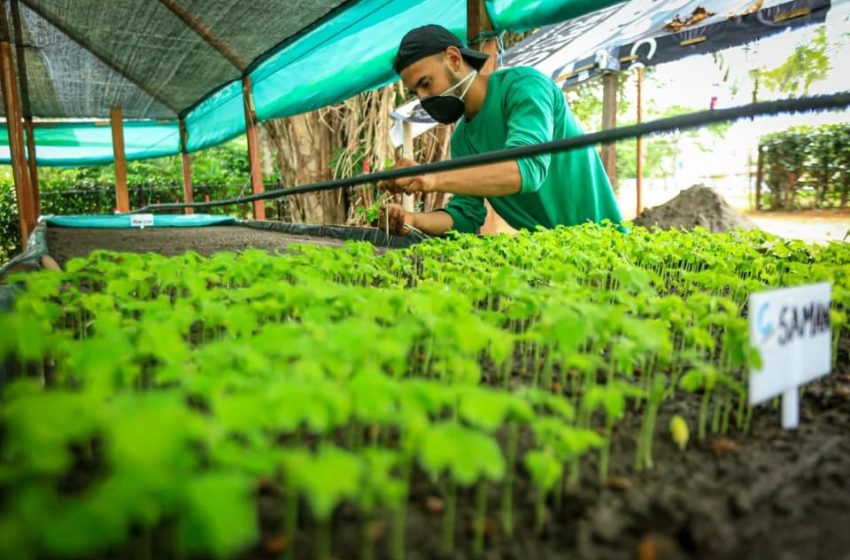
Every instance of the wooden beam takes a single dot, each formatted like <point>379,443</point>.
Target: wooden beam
<point>12,109</point>
<point>478,25</point>
<point>25,105</point>
<point>20,172</point>
<point>477,21</point>
<point>609,121</point>
<point>122,197</point>
<point>206,34</point>
<point>254,157</point>
<point>188,195</point>
<point>124,70</point>
<point>759,177</point>
<point>32,161</point>
<point>639,149</point>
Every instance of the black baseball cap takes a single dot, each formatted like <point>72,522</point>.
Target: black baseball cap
<point>432,39</point>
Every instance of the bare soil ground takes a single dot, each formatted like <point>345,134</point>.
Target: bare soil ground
<point>66,243</point>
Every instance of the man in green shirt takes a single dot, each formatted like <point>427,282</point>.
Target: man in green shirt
<point>508,108</point>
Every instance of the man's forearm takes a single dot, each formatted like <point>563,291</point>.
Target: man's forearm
<point>496,179</point>
<point>433,223</point>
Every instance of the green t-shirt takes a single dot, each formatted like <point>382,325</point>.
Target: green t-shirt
<point>523,107</point>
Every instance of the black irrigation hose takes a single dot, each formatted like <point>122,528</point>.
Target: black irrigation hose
<point>833,101</point>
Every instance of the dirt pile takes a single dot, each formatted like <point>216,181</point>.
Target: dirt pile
<point>696,206</point>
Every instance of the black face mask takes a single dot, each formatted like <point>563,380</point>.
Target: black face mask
<point>445,108</point>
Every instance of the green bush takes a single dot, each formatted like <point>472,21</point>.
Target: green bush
<point>807,167</point>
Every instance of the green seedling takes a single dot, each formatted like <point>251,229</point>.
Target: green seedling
<point>179,377</point>
<point>380,488</point>
<point>489,411</point>
<point>705,378</point>
<point>545,471</point>
<point>327,478</point>
<point>657,394</point>
<point>465,457</point>
<point>612,399</point>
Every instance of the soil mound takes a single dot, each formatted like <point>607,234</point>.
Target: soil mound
<point>696,206</point>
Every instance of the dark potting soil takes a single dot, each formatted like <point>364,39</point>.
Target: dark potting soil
<point>770,494</point>
<point>66,243</point>
<point>767,495</point>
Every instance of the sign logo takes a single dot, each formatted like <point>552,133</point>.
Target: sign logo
<point>764,326</point>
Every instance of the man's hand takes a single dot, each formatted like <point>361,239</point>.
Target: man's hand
<point>397,217</point>
<point>409,185</point>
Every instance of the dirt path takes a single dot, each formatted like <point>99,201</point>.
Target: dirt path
<point>813,226</point>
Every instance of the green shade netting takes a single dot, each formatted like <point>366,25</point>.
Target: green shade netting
<point>333,61</point>
<point>78,144</point>
<point>123,221</point>
<point>347,51</point>
<point>349,54</point>
<point>217,119</point>
<point>522,15</point>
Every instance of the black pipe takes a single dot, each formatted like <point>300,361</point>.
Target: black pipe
<point>833,101</point>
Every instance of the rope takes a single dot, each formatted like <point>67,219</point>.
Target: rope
<point>835,101</point>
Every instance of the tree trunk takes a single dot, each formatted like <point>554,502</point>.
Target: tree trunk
<point>344,140</point>
<point>302,145</point>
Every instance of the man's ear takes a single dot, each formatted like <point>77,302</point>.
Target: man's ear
<point>455,59</point>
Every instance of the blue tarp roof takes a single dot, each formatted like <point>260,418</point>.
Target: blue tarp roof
<point>653,32</point>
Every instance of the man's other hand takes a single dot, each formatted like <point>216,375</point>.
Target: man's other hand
<point>409,185</point>
<point>397,217</point>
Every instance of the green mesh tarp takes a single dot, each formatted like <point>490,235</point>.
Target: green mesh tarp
<point>347,54</point>
<point>160,60</point>
<point>331,62</point>
<point>219,118</point>
<point>67,144</point>
<point>125,221</point>
<point>86,56</point>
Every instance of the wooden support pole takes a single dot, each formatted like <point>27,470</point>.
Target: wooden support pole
<point>33,165</point>
<point>609,121</point>
<point>12,108</point>
<point>188,195</point>
<point>205,33</point>
<point>26,107</point>
<point>122,197</point>
<point>477,22</point>
<point>639,150</point>
<point>254,158</point>
<point>478,25</point>
<point>759,177</point>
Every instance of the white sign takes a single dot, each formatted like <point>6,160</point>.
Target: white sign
<point>791,329</point>
<point>141,220</point>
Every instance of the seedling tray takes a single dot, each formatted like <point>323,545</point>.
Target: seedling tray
<point>68,237</point>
